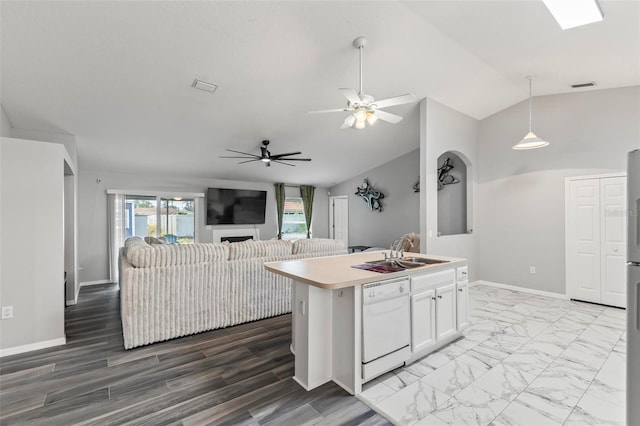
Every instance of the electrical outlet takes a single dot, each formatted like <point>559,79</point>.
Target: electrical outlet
<point>7,312</point>
<point>532,270</point>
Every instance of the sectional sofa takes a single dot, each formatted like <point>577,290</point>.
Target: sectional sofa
<point>169,290</point>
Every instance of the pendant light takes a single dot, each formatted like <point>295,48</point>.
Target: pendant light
<point>530,141</point>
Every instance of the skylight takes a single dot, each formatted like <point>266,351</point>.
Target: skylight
<point>574,13</point>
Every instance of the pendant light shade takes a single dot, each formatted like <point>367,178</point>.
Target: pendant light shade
<point>530,141</point>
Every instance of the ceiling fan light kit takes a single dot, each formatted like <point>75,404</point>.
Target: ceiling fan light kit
<point>266,156</point>
<point>364,110</point>
<point>530,141</point>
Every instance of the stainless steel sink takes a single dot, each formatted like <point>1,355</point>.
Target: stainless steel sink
<point>384,262</point>
<point>407,262</point>
<point>421,260</point>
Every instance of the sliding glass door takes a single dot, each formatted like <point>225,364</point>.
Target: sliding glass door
<point>141,214</point>
<point>151,216</point>
<point>177,220</point>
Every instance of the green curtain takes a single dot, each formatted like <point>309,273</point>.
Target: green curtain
<point>306,192</point>
<point>280,206</point>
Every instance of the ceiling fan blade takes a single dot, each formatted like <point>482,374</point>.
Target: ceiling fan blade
<point>348,122</point>
<point>240,152</point>
<point>229,156</point>
<point>322,111</point>
<point>291,159</point>
<point>249,161</point>
<point>282,162</point>
<point>398,100</point>
<point>277,156</point>
<point>387,116</point>
<point>351,96</point>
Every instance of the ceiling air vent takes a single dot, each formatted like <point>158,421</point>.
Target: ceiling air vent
<point>581,85</point>
<point>203,85</point>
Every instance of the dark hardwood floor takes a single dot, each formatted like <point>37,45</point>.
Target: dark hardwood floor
<point>237,376</point>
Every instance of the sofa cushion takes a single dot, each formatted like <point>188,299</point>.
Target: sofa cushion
<point>154,240</point>
<point>255,249</point>
<point>317,245</point>
<point>134,243</point>
<point>175,254</point>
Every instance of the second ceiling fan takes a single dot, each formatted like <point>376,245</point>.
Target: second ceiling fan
<point>266,156</point>
<point>364,109</point>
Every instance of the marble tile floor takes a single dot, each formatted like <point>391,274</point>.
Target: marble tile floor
<point>525,360</point>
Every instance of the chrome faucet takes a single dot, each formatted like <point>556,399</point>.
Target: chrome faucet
<point>396,251</point>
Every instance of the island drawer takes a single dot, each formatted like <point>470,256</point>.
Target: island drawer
<point>462,273</point>
<point>432,280</point>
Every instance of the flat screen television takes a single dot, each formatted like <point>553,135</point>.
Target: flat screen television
<point>235,206</point>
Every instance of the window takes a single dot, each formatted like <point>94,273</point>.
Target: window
<point>151,216</point>
<point>294,226</point>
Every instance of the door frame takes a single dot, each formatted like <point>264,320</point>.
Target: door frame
<point>332,198</point>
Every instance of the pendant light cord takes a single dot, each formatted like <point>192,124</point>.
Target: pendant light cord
<point>530,104</point>
<point>360,49</point>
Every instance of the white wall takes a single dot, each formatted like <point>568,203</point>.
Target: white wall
<point>92,211</point>
<point>31,243</point>
<point>5,124</point>
<point>444,129</point>
<point>521,193</point>
<point>400,205</point>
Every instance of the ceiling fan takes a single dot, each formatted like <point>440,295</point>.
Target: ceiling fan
<point>364,109</point>
<point>266,156</point>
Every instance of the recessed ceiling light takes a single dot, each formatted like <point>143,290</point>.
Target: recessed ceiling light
<point>574,13</point>
<point>203,85</point>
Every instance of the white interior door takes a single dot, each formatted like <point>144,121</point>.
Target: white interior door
<point>583,240</point>
<point>339,218</point>
<point>613,232</point>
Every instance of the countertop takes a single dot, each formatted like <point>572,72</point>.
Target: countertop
<point>334,272</point>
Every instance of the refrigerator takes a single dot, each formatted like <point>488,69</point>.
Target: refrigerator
<point>633,289</point>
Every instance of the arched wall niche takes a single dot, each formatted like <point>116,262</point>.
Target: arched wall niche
<point>455,196</point>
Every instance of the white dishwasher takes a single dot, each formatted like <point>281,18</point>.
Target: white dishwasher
<point>386,328</point>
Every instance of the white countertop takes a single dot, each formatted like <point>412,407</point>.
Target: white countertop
<point>333,272</point>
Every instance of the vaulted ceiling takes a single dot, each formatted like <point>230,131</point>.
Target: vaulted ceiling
<point>118,75</point>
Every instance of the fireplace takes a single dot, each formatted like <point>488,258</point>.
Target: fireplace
<point>236,239</point>
<point>235,234</point>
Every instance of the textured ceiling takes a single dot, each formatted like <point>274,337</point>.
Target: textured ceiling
<point>117,75</point>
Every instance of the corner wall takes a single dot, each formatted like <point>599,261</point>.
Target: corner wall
<point>521,193</point>
<point>32,244</point>
<point>444,129</point>
<point>92,211</point>
<point>5,124</point>
<point>400,205</point>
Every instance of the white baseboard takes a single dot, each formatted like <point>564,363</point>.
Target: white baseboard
<point>71,302</point>
<point>33,347</point>
<point>522,289</point>
<point>98,282</point>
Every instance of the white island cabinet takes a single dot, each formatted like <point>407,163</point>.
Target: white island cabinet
<point>328,315</point>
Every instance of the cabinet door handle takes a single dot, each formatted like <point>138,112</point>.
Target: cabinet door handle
<point>460,290</point>
<point>433,298</point>
<point>439,297</point>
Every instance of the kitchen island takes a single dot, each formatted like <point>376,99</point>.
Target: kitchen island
<point>351,325</point>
